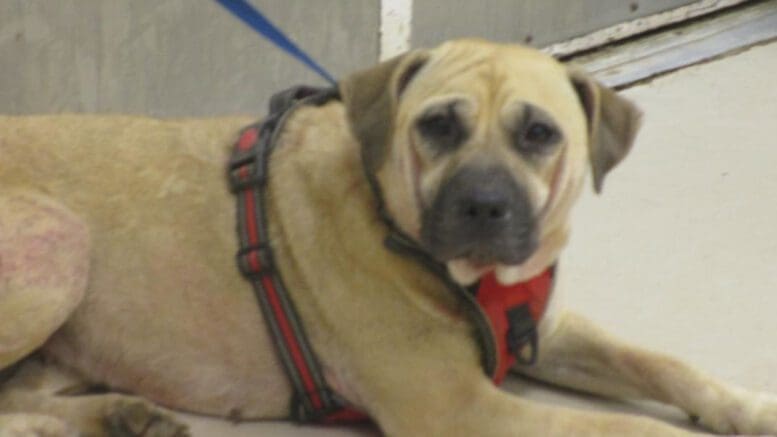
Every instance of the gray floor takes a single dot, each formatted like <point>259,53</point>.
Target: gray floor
<point>679,252</point>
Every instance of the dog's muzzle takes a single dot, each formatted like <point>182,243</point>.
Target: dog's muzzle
<point>482,215</point>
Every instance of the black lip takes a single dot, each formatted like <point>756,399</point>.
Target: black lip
<point>476,256</point>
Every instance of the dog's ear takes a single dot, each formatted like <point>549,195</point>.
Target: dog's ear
<point>613,122</point>
<point>370,99</point>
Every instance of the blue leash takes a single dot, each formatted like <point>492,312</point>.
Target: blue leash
<point>254,19</point>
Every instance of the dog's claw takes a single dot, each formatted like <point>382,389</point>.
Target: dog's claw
<point>139,419</point>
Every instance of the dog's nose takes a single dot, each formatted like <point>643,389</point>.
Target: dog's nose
<point>480,212</point>
<point>484,207</point>
<point>483,201</point>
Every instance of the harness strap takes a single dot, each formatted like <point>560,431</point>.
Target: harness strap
<point>515,312</point>
<point>313,399</point>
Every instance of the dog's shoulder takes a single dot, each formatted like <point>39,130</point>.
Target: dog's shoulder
<point>318,141</point>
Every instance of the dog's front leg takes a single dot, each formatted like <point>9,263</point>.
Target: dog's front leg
<point>484,410</point>
<point>431,384</point>
<point>579,355</point>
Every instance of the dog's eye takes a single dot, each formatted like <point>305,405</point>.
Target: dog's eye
<point>438,126</point>
<point>539,133</point>
<point>538,137</point>
<point>443,130</point>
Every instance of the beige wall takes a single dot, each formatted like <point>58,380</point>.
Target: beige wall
<point>539,22</point>
<point>168,57</point>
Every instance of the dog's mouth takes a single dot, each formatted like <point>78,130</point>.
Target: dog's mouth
<point>467,273</point>
<point>469,265</point>
<point>488,252</point>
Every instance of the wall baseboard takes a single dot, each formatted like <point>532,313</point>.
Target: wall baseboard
<point>631,62</point>
<point>637,26</point>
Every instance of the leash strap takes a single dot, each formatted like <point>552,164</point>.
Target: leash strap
<point>313,399</point>
<point>257,21</point>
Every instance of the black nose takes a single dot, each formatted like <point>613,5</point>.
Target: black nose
<point>485,206</point>
<point>483,201</point>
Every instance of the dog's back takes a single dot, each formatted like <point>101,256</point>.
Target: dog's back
<point>93,160</point>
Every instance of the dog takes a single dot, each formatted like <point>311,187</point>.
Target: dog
<point>117,241</point>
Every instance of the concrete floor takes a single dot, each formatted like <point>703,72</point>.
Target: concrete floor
<point>679,252</point>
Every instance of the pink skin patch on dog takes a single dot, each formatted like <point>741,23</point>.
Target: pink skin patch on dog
<point>43,267</point>
<point>38,243</point>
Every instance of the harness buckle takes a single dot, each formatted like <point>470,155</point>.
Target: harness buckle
<point>255,261</point>
<point>246,170</point>
<point>246,167</point>
<point>522,333</point>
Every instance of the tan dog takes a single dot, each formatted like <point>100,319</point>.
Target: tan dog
<point>117,245</point>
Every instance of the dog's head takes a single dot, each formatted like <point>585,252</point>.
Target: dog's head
<point>480,150</point>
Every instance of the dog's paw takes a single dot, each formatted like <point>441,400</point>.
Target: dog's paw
<point>742,412</point>
<point>34,425</point>
<point>141,419</point>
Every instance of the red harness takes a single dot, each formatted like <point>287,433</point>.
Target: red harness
<point>514,312</point>
<point>506,316</point>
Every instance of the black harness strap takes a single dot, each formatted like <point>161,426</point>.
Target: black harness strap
<point>313,399</point>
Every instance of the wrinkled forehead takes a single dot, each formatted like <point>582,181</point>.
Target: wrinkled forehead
<point>496,76</point>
